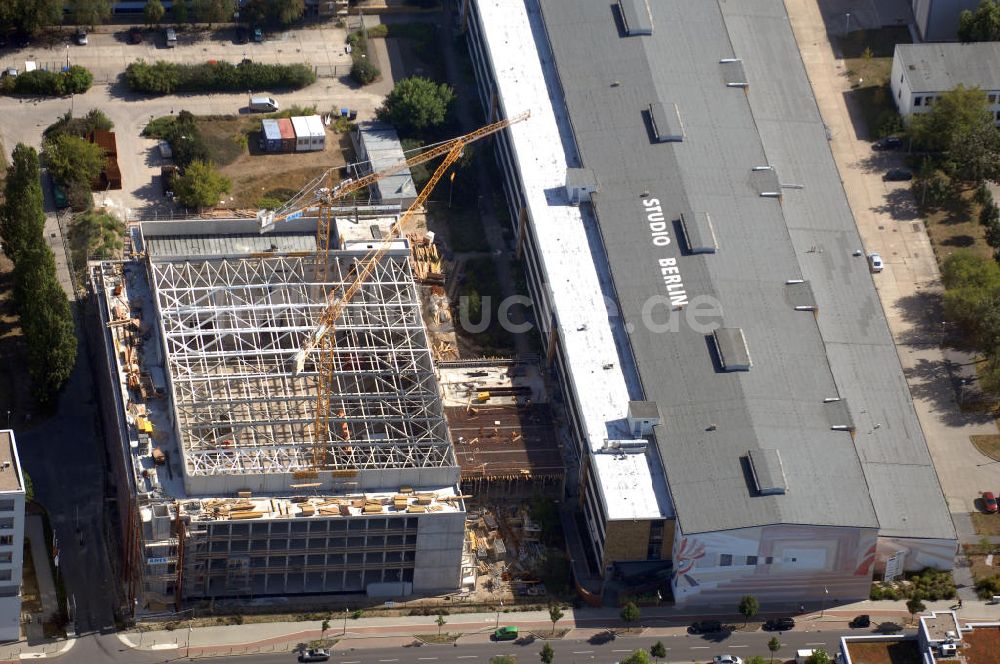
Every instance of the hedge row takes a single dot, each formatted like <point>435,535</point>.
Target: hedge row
<point>163,78</point>
<point>73,81</point>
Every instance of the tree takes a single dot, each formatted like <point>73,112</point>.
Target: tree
<point>363,71</point>
<point>212,11</point>
<point>637,657</point>
<point>630,614</point>
<point>153,12</point>
<point>819,656</point>
<point>416,104</point>
<point>73,159</point>
<point>774,645</point>
<point>90,12</point>
<point>915,605</point>
<point>30,15</point>
<point>658,651</point>
<point>325,625</point>
<point>547,654</point>
<point>983,24</point>
<point>961,127</point>
<point>22,220</point>
<point>555,615</point>
<point>180,11</point>
<point>748,607</point>
<point>201,185</point>
<point>440,622</point>
<point>29,487</point>
<point>287,11</point>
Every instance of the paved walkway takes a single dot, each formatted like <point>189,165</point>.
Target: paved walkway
<point>910,286</point>
<point>43,572</point>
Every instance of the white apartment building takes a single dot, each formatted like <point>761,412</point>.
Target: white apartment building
<point>923,72</point>
<point>11,537</point>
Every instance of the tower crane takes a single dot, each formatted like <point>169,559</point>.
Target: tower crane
<point>322,339</point>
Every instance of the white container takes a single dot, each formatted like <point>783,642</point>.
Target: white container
<point>317,132</point>
<point>303,137</point>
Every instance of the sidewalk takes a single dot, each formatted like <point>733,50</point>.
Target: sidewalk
<point>43,571</point>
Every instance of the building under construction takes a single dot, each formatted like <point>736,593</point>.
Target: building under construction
<point>224,491</point>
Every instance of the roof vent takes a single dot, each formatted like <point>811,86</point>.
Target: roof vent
<point>624,446</point>
<point>799,294</point>
<point>767,472</point>
<point>734,355</point>
<point>642,417</point>
<point>838,414</point>
<point>733,74</point>
<point>636,17</point>
<point>665,120</point>
<point>699,235</point>
<point>580,184</point>
<point>765,181</point>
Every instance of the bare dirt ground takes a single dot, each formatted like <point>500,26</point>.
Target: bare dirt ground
<point>257,175</point>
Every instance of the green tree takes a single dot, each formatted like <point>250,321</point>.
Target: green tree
<point>629,614</point>
<point>201,185</point>
<point>749,606</point>
<point>972,299</point>
<point>774,645</point>
<point>30,15</point>
<point>416,104</point>
<point>325,625</point>
<point>73,159</point>
<point>29,487</point>
<point>983,24</point>
<point>363,71</point>
<point>555,615</point>
<point>819,656</point>
<point>440,622</point>
<point>961,127</point>
<point>212,11</point>
<point>180,11</point>
<point>915,605</point>
<point>287,11</point>
<point>658,651</point>
<point>46,320</point>
<point>22,220</point>
<point>90,12</point>
<point>153,12</point>
<point>637,657</point>
<point>547,654</point>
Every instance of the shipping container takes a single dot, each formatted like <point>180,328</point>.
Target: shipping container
<point>287,135</point>
<point>317,131</point>
<point>303,138</point>
<point>270,136</point>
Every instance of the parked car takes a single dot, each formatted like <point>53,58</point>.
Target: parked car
<point>264,104</point>
<point>779,624</point>
<point>990,502</point>
<point>314,655</point>
<point>80,37</point>
<point>135,35</point>
<point>898,175</point>
<point>727,659</point>
<point>171,36</point>
<point>888,143</point>
<point>705,627</point>
<point>242,35</point>
<point>258,34</point>
<point>863,620</point>
<point>9,71</point>
<point>875,263</point>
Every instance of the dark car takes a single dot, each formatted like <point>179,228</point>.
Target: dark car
<point>258,34</point>
<point>990,502</point>
<point>314,655</point>
<point>135,35</point>
<point>705,627</point>
<point>861,621</point>
<point>779,624</point>
<point>888,143</point>
<point>242,35</point>
<point>898,175</point>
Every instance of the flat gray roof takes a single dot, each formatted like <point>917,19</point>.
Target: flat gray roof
<point>713,420</point>
<point>10,468</point>
<point>940,67</point>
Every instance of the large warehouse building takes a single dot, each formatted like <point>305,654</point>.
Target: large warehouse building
<point>223,492</point>
<point>735,395</point>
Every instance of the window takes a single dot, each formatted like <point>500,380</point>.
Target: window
<point>6,557</point>
<point>655,544</point>
<point>725,560</point>
<point>928,100</point>
<point>7,523</point>
<point>6,505</point>
<point>993,98</point>
<point>917,101</point>
<point>997,114</point>
<point>768,560</point>
<point>751,560</point>
<point>6,540</point>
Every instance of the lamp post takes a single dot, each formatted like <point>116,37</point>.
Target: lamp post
<point>847,22</point>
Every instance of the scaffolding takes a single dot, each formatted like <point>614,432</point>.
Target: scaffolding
<point>232,327</point>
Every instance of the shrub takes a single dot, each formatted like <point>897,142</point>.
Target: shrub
<point>988,587</point>
<point>380,30</point>
<point>364,72</point>
<point>75,80</point>
<point>67,124</point>
<point>162,78</point>
<point>183,135</point>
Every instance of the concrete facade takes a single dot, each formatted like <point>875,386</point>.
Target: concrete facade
<point>937,20</point>
<point>12,499</point>
<point>923,72</point>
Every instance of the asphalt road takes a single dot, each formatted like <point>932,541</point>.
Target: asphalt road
<point>680,648</point>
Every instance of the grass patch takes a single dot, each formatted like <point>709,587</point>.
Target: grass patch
<point>987,444</point>
<point>955,225</point>
<point>549,635</point>
<point>986,524</point>
<point>881,42</point>
<point>94,235</point>
<point>868,62</point>
<point>885,652</point>
<point>225,137</point>
<point>438,638</point>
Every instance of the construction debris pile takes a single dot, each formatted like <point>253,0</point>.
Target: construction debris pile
<point>508,552</point>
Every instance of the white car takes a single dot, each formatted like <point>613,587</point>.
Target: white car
<point>875,262</point>
<point>728,659</point>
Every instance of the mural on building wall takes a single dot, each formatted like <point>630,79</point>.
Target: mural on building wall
<point>781,562</point>
<point>915,554</point>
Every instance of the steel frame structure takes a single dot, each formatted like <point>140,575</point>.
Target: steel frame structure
<point>232,328</point>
